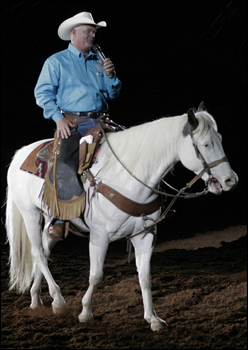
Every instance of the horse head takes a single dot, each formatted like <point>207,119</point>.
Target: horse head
<point>201,151</point>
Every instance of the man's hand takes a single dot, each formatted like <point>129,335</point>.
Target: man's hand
<point>108,67</point>
<point>63,128</point>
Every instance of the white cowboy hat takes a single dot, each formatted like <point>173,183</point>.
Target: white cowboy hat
<point>75,21</point>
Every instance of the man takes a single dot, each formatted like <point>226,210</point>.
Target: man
<point>75,81</point>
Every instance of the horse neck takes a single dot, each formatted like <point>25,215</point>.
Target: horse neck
<point>166,146</point>
<point>148,151</point>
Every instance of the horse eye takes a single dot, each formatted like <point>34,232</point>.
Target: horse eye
<point>209,145</point>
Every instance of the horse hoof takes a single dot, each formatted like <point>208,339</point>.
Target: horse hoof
<point>37,305</point>
<point>85,318</point>
<point>157,326</point>
<point>59,311</point>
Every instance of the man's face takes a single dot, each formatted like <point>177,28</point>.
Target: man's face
<point>83,37</point>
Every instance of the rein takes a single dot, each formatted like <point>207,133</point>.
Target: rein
<point>180,194</point>
<point>206,166</point>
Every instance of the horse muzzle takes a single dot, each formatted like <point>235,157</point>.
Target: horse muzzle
<point>216,185</point>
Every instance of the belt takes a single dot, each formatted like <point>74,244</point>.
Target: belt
<point>84,114</point>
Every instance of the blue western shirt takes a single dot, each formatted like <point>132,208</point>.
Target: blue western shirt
<point>68,81</point>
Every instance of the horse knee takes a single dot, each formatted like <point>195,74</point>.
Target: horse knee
<point>95,279</point>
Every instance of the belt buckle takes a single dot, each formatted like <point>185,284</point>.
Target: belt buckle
<point>92,115</point>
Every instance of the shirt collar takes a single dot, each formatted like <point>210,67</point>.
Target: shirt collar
<point>79,54</point>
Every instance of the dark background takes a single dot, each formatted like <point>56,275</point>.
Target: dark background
<point>169,55</point>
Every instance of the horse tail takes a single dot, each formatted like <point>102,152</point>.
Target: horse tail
<point>20,258</point>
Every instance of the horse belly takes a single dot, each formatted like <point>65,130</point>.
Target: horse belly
<point>104,217</point>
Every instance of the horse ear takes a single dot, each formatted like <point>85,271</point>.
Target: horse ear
<point>192,119</point>
<point>201,107</point>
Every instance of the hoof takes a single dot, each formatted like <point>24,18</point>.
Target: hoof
<point>85,318</point>
<point>36,306</point>
<point>59,311</point>
<point>158,326</point>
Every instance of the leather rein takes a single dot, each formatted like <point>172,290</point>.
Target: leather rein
<point>180,194</point>
<point>138,209</point>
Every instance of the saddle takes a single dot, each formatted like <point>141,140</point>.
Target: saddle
<point>61,162</point>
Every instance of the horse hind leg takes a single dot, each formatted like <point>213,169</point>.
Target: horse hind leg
<point>23,229</point>
<point>33,228</point>
<point>47,244</point>
<point>58,304</point>
<point>35,291</point>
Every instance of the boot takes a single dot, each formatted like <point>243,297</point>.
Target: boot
<point>59,230</point>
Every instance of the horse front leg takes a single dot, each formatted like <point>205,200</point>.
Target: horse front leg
<point>143,252</point>
<point>97,257</point>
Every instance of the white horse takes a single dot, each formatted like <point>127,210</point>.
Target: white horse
<point>148,151</point>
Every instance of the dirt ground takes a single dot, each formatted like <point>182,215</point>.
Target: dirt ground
<point>199,286</point>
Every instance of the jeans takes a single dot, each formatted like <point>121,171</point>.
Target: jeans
<point>86,124</point>
<point>83,126</point>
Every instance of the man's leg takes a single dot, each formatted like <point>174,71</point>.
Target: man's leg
<point>57,231</point>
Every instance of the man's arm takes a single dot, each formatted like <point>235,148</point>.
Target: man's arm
<point>45,94</point>
<point>46,89</point>
<point>113,83</point>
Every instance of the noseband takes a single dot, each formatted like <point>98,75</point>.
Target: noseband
<point>181,193</point>
<point>206,167</point>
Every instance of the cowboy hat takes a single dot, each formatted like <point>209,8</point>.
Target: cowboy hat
<point>75,21</point>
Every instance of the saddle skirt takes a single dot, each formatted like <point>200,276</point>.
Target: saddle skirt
<point>37,161</point>
<point>36,164</point>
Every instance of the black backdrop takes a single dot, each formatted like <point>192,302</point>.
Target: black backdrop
<point>169,55</point>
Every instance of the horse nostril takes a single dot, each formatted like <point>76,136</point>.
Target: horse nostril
<point>231,182</point>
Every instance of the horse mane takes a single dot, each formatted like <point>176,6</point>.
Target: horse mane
<point>141,148</point>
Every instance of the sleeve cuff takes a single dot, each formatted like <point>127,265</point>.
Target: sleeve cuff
<point>57,116</point>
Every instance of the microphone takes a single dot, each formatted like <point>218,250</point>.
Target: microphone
<point>98,51</point>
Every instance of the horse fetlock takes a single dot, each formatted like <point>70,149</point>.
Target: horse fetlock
<point>55,293</point>
<point>85,317</point>
<point>36,302</point>
<point>157,324</point>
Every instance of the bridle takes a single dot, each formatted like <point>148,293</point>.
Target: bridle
<point>206,167</point>
<point>181,193</point>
